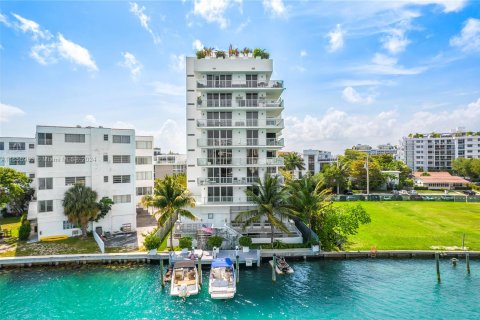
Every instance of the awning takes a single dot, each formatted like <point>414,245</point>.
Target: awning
<point>218,263</point>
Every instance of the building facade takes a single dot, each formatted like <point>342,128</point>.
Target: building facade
<point>144,173</point>
<point>169,164</point>
<point>234,127</point>
<point>19,154</point>
<point>381,149</point>
<point>315,160</point>
<point>436,151</point>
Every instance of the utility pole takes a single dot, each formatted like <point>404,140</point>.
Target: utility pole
<point>368,179</point>
<point>338,182</point>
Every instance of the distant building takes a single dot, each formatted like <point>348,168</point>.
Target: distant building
<point>436,151</point>
<point>169,164</point>
<point>143,166</point>
<point>381,149</point>
<point>19,154</point>
<point>315,160</point>
<point>439,180</point>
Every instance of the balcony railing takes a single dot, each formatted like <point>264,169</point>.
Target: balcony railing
<point>240,103</point>
<point>240,161</point>
<point>224,142</point>
<point>224,199</point>
<point>272,84</point>
<point>256,123</point>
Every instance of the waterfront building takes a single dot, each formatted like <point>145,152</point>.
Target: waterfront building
<point>315,160</point>
<point>19,154</point>
<point>436,151</point>
<point>144,170</point>
<point>234,126</point>
<point>169,164</point>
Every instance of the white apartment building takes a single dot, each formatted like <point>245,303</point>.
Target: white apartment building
<point>169,164</point>
<point>381,149</point>
<point>436,151</point>
<point>144,172</point>
<point>234,126</point>
<point>19,154</point>
<point>315,160</point>
<point>101,158</point>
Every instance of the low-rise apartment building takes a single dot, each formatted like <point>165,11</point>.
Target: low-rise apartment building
<point>315,160</point>
<point>19,154</point>
<point>169,164</point>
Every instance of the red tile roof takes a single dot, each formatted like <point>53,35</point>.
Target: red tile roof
<point>439,177</point>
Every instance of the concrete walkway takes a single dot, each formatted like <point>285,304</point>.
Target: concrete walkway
<point>145,223</point>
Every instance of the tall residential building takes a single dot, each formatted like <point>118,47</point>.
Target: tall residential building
<point>169,164</point>
<point>234,126</point>
<point>144,173</point>
<point>315,160</point>
<point>19,154</point>
<point>436,151</point>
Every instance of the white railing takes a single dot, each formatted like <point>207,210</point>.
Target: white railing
<point>240,84</point>
<point>239,161</point>
<point>214,142</point>
<point>240,103</point>
<point>99,241</point>
<point>268,123</point>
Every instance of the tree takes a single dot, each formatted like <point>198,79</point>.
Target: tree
<point>104,206</point>
<point>80,206</point>
<point>170,197</point>
<point>271,203</point>
<point>292,161</point>
<point>335,176</point>
<point>358,173</point>
<point>467,167</point>
<point>14,187</point>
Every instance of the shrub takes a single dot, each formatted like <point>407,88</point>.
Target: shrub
<point>245,241</point>
<point>152,241</point>
<point>200,54</point>
<point>215,241</point>
<point>420,188</point>
<point>220,54</point>
<point>24,230</point>
<point>185,242</point>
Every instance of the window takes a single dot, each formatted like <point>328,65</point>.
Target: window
<point>45,183</point>
<point>121,179</point>
<point>45,206</point>
<point>73,180</point>
<point>121,159</point>
<point>210,216</point>
<point>31,146</point>
<point>17,161</point>
<point>121,139</point>
<point>105,178</point>
<point>2,145</point>
<point>141,191</point>
<point>144,175</point>
<point>105,158</point>
<point>105,137</point>
<point>32,176</point>
<point>31,160</point>
<point>143,144</point>
<point>45,161</point>
<point>125,198</point>
<point>76,138</point>
<point>16,145</point>
<point>143,160</point>
<point>74,159</point>
<point>44,138</point>
<point>67,225</point>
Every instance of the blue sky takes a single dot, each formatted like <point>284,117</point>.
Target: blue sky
<point>355,72</point>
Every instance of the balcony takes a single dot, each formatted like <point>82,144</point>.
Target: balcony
<point>274,123</point>
<point>229,142</point>
<point>240,103</point>
<point>213,200</point>
<point>240,161</point>
<point>239,84</point>
<point>229,181</point>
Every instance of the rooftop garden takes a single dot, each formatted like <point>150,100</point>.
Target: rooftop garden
<point>232,53</point>
<point>440,135</point>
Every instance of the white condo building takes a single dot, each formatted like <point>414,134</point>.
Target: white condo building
<point>144,173</point>
<point>436,151</point>
<point>315,160</point>
<point>169,164</point>
<point>19,154</point>
<point>234,126</point>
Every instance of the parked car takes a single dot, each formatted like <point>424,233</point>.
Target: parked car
<point>469,192</point>
<point>403,192</point>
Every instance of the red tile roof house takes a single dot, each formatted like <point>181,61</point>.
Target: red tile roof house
<point>439,180</point>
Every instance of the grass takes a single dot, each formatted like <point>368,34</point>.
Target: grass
<point>441,192</point>
<point>418,226</point>
<point>10,223</point>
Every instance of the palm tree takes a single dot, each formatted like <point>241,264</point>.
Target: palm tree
<point>308,199</point>
<point>271,201</point>
<point>292,161</point>
<point>80,206</point>
<point>170,198</point>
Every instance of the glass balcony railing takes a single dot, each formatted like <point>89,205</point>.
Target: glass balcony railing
<point>240,161</point>
<point>272,84</point>
<point>224,142</point>
<point>240,103</point>
<point>255,123</point>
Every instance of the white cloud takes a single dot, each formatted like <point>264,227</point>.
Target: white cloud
<point>31,26</point>
<point>469,37</point>
<point>242,25</point>
<point>275,7</point>
<point>303,53</point>
<point>197,45</point>
<point>177,62</point>
<point>4,20</point>
<point>351,95</point>
<point>386,65</point>
<point>139,12</point>
<point>335,38</point>
<point>170,136</point>
<point>214,11</point>
<point>168,89</point>
<point>75,53</point>
<point>448,5</point>
<point>8,111</point>
<point>131,63</point>
<point>44,53</point>
<point>396,41</point>
<point>90,119</point>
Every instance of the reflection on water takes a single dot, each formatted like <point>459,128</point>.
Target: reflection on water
<point>356,289</point>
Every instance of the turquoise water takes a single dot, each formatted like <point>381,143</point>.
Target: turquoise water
<point>354,289</point>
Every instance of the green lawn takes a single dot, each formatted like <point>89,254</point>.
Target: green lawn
<point>418,225</point>
<point>10,223</point>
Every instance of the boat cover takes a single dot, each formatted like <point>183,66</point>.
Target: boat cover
<point>218,263</point>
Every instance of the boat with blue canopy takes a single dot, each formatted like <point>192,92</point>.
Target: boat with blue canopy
<point>222,282</point>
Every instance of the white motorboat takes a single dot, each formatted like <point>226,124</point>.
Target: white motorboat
<point>222,282</point>
<point>281,266</point>
<point>184,280</point>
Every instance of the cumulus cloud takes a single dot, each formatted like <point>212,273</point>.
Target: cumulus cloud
<point>4,20</point>
<point>170,136</point>
<point>8,111</point>
<point>351,95</point>
<point>214,11</point>
<point>275,7</point>
<point>90,119</point>
<point>168,89</point>
<point>139,12</point>
<point>131,63</point>
<point>387,65</point>
<point>177,62</point>
<point>44,53</point>
<point>396,41</point>
<point>469,37</point>
<point>197,45</point>
<point>30,26</point>
<point>335,39</point>
<point>448,5</point>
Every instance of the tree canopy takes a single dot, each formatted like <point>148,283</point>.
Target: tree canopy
<point>14,187</point>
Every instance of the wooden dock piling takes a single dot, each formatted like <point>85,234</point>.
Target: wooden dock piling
<point>274,273</point>
<point>437,263</point>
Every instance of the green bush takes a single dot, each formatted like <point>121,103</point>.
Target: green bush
<point>245,241</point>
<point>24,230</point>
<point>200,54</point>
<point>420,188</point>
<point>215,241</point>
<point>151,241</point>
<point>185,242</point>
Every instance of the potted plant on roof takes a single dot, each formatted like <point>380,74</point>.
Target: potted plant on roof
<point>152,242</point>
<point>245,242</point>
<point>220,54</point>
<point>208,52</point>
<point>200,54</point>
<point>247,52</point>
<point>257,53</point>
<point>232,52</point>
